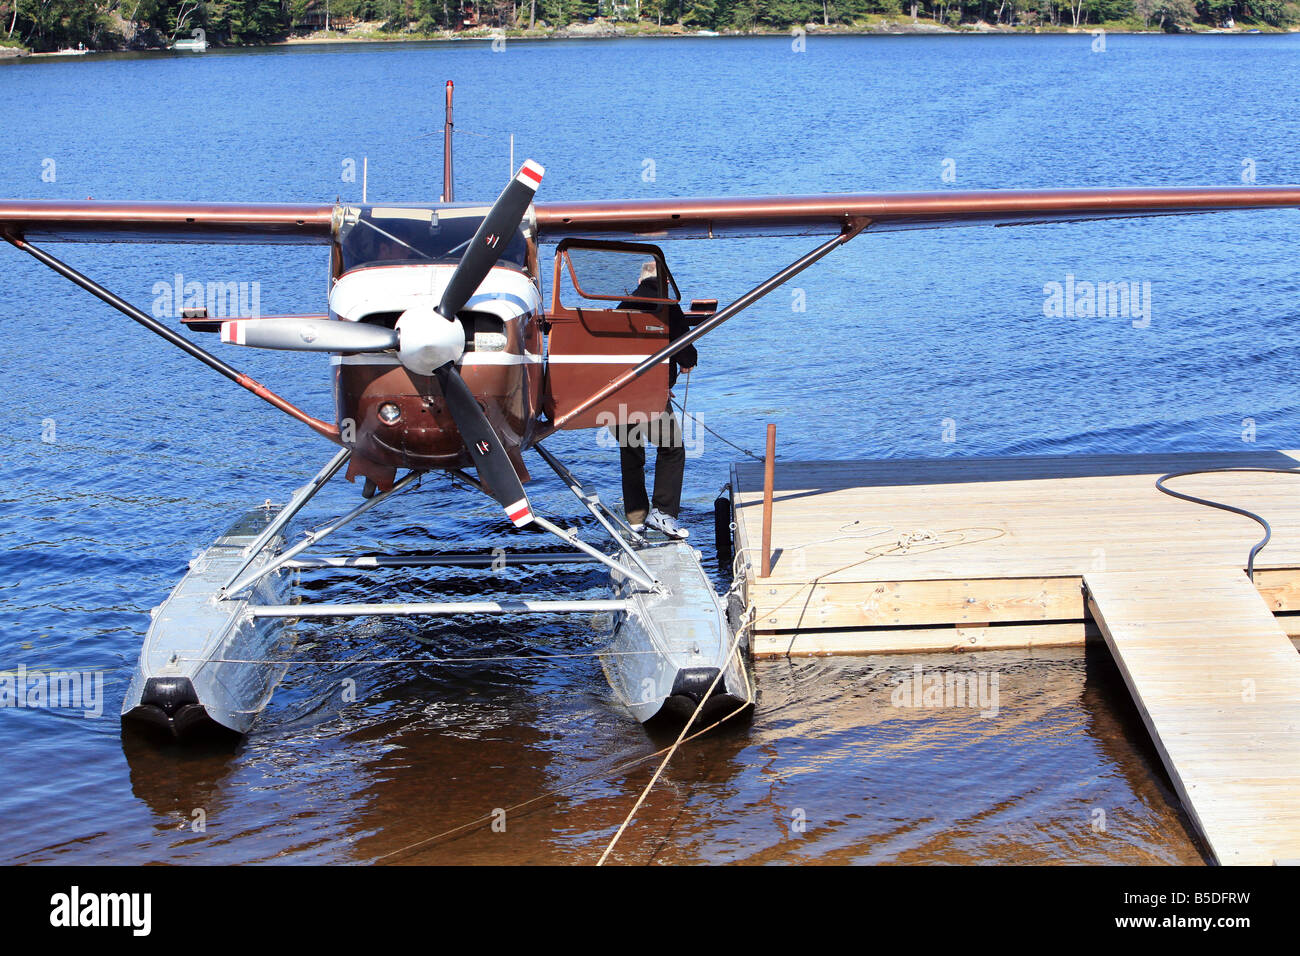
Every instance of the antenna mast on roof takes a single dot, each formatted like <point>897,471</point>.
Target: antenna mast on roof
<point>447,194</point>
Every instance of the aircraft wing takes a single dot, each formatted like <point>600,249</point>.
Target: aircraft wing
<point>658,219</point>
<point>295,224</point>
<point>93,221</point>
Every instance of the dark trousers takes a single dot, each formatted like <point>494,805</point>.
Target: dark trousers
<point>670,465</point>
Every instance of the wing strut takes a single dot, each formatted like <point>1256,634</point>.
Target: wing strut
<point>707,326</point>
<point>185,345</point>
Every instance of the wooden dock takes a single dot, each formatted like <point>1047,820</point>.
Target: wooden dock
<point>1218,685</point>
<point>972,554</point>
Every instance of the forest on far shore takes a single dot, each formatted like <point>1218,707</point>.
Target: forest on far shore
<point>44,25</point>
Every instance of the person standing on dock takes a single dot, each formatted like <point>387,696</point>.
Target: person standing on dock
<point>664,431</point>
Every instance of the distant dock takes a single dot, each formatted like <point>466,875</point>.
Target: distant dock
<point>959,554</point>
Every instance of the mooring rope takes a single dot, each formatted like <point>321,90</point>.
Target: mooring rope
<point>695,418</point>
<point>581,781</point>
<point>704,699</point>
<point>844,535</point>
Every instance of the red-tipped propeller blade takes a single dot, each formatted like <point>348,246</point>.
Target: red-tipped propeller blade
<point>496,230</point>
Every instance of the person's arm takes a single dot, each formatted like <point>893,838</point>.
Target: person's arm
<point>687,358</point>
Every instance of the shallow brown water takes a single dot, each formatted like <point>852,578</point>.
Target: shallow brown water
<point>869,781</point>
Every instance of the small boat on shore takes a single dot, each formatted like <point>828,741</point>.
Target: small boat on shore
<point>196,45</point>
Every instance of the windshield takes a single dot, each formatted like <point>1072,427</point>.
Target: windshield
<point>387,234</point>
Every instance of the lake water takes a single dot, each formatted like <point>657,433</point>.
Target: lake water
<point>154,455</point>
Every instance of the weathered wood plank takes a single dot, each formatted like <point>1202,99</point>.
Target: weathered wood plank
<point>847,604</point>
<point>1217,682</point>
<point>1000,541</point>
<point>924,640</point>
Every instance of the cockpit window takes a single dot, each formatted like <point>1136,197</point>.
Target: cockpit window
<point>389,234</point>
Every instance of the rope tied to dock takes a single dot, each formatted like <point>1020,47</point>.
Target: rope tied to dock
<point>488,818</point>
<point>696,419</point>
<point>681,738</point>
<point>912,538</point>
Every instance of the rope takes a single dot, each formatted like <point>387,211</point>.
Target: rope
<point>581,781</point>
<point>704,699</point>
<point>725,441</point>
<point>870,533</point>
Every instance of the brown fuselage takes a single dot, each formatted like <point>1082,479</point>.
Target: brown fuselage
<point>425,436</point>
<point>587,348</point>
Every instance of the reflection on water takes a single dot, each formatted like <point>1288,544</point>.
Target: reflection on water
<point>829,770</point>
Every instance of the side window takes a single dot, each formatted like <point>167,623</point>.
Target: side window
<point>608,278</point>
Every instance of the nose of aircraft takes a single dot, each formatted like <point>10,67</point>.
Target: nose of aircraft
<point>428,341</point>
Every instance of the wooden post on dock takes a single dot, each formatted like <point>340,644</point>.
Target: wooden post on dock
<point>769,475</point>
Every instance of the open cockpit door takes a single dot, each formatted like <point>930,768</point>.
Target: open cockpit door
<point>608,312</point>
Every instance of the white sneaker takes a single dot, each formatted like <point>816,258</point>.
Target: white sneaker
<point>667,524</point>
<point>637,526</point>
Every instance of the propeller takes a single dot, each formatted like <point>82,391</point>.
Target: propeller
<point>485,447</point>
<point>430,340</point>
<point>308,335</point>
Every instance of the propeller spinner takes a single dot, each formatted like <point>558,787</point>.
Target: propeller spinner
<point>430,340</point>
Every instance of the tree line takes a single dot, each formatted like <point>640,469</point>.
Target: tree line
<point>124,24</point>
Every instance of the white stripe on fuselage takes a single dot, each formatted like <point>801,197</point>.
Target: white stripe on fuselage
<point>498,358</point>
<point>470,358</point>
<point>581,359</point>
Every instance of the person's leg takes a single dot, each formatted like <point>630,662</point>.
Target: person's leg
<point>670,464</point>
<point>631,456</point>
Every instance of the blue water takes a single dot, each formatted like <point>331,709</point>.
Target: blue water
<point>153,455</point>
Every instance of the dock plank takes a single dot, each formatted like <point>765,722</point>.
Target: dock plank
<point>973,542</point>
<point>1217,682</point>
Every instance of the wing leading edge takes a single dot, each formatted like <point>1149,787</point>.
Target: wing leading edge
<point>822,215</point>
<point>93,221</point>
<point>294,224</point>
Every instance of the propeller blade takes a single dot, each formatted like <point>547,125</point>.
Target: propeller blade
<point>485,447</point>
<point>308,335</point>
<point>494,232</point>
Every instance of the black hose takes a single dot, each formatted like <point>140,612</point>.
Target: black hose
<point>1268,531</point>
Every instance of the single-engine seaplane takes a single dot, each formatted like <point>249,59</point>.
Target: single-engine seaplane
<point>446,358</point>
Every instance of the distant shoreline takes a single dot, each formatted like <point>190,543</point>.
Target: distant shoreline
<point>603,30</point>
<point>882,26</point>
